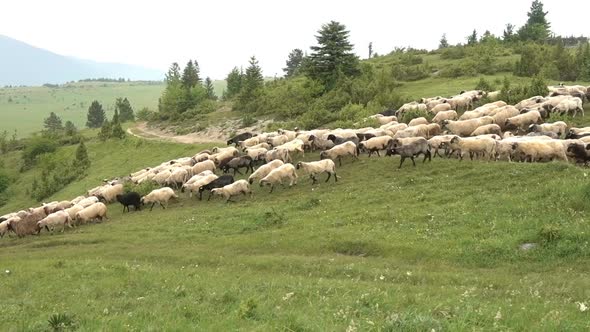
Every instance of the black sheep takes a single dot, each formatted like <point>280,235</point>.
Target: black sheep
<point>220,182</point>
<point>223,162</point>
<point>241,137</point>
<point>237,163</point>
<point>128,199</point>
<point>579,152</point>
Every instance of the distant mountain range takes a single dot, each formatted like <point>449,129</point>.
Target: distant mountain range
<point>23,64</point>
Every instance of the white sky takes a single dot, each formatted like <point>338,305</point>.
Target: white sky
<point>223,34</point>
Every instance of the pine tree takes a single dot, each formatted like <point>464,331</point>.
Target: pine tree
<point>96,115</point>
<point>234,83</point>
<point>53,124</point>
<point>252,84</point>
<point>537,28</point>
<point>70,129</point>
<point>190,75</point>
<point>210,89</point>
<point>294,62</point>
<point>125,110</point>
<point>472,39</point>
<point>81,161</point>
<point>105,131</point>
<point>444,43</point>
<point>508,35</point>
<point>333,57</point>
<point>117,130</point>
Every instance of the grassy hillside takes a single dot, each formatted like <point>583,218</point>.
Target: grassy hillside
<point>24,108</point>
<point>431,247</point>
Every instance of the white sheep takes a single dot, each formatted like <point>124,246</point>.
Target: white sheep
<point>250,142</point>
<point>160,196</point>
<point>570,105</point>
<point>177,178</point>
<point>263,170</point>
<point>473,146</point>
<point>375,144</point>
<point>539,150</point>
<point>261,146</point>
<point>281,154</point>
<point>558,127</point>
<point>315,168</point>
<point>59,218</point>
<point>418,121</point>
<point>202,166</point>
<point>86,202</point>
<point>278,140</point>
<point>109,193</point>
<point>277,175</point>
<point>236,188</point>
<point>487,129</point>
<point>4,225</point>
<point>256,154</point>
<point>523,121</point>
<point>441,107</point>
<point>439,142</point>
<point>444,115</point>
<point>339,151</point>
<point>466,127</point>
<point>92,212</point>
<point>73,210</point>
<point>198,183</point>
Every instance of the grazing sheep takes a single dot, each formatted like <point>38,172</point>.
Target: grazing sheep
<point>418,121</point>
<point>504,113</point>
<point>577,132</point>
<point>558,128</point>
<point>202,166</point>
<point>199,157</point>
<point>318,143</point>
<point>375,144</point>
<point>240,137</point>
<point>161,177</point>
<point>257,154</point>
<point>278,140</point>
<point>197,183</point>
<point>444,115</point>
<point>88,201</point>
<point>294,146</point>
<point>237,163</point>
<point>259,146</point>
<point>523,121</point>
<point>129,199</point>
<point>339,151</point>
<point>291,134</point>
<point>473,146</point>
<point>443,107</point>
<point>250,142</point>
<point>464,128</point>
<point>4,225</point>
<point>339,140</point>
<point>281,154</point>
<point>91,213</point>
<point>73,210</point>
<point>580,152</point>
<point>276,176</point>
<point>236,188</point>
<point>177,178</point>
<point>59,218</point>
<point>263,170</point>
<point>572,105</point>
<point>530,102</point>
<point>108,194</point>
<point>26,223</point>
<point>439,142</point>
<point>220,182</point>
<point>487,129</point>
<point>534,150</point>
<point>386,119</point>
<point>395,128</point>
<point>162,195</point>
<point>409,148</point>
<point>318,167</point>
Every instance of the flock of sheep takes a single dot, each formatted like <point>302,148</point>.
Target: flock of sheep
<point>494,131</point>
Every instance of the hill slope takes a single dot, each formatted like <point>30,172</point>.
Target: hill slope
<point>430,247</point>
<point>23,64</point>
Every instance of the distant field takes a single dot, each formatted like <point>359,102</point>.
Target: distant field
<point>24,108</point>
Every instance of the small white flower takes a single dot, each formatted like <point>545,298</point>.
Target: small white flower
<point>382,277</point>
<point>409,273</point>
<point>7,271</point>
<point>582,306</point>
<point>288,296</point>
<point>498,315</point>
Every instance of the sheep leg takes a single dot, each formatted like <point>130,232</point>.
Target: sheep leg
<point>401,162</point>
<point>154,203</point>
<point>339,161</point>
<point>329,176</point>
<point>413,161</point>
<point>272,187</point>
<point>162,205</point>
<point>208,198</point>
<point>378,155</point>
<point>427,155</point>
<point>237,170</point>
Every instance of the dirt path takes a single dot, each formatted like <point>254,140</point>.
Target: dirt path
<point>141,130</point>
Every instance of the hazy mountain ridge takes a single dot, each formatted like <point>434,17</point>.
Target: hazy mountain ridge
<point>24,64</point>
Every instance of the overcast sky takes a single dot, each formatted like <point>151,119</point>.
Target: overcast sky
<point>224,34</point>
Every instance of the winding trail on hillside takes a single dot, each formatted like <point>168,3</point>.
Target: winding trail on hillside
<point>141,130</point>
